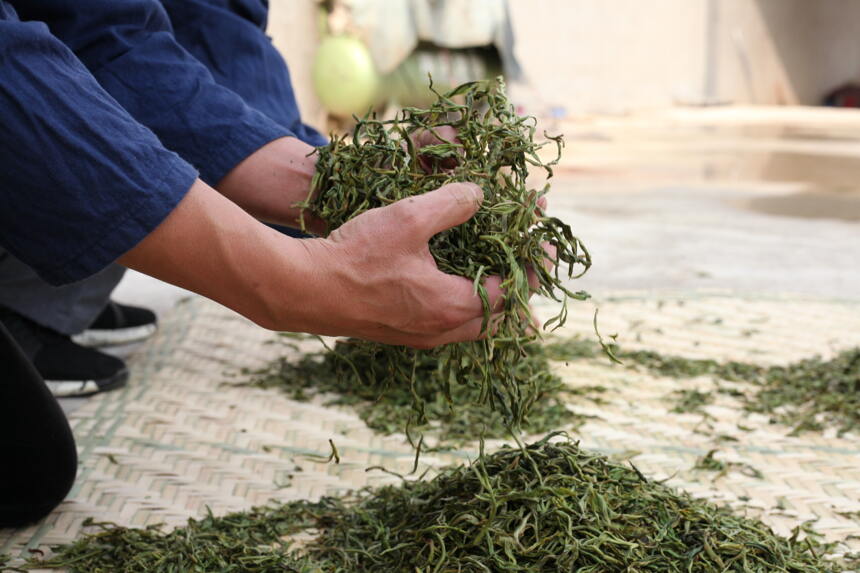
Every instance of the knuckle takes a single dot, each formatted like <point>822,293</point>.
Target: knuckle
<point>434,322</point>
<point>449,318</point>
<point>406,213</point>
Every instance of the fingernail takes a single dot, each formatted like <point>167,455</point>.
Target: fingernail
<point>467,192</point>
<point>477,192</point>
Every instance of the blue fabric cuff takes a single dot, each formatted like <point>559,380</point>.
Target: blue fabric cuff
<point>142,216</point>
<point>245,137</point>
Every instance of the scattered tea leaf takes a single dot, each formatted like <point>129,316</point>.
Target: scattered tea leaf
<point>809,394</point>
<point>709,462</point>
<point>369,378</point>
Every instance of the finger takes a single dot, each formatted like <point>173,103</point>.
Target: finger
<point>444,133</point>
<point>550,257</point>
<point>436,211</point>
<point>549,260</point>
<point>495,294</point>
<point>535,324</point>
<point>462,295</point>
<point>438,135</point>
<point>534,281</point>
<point>541,203</point>
<point>471,330</point>
<point>462,291</point>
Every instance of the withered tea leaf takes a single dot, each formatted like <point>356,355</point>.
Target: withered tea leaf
<point>379,164</point>
<point>548,506</point>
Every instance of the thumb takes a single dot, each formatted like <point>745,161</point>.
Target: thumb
<point>446,207</point>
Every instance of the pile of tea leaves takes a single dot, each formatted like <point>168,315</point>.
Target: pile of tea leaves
<point>494,148</point>
<point>809,394</point>
<point>368,378</point>
<point>548,506</point>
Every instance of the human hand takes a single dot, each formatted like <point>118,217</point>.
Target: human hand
<point>433,162</point>
<point>434,159</point>
<point>272,180</point>
<point>373,278</point>
<point>381,283</point>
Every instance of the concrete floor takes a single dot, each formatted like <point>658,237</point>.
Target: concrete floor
<point>740,200</point>
<point>684,237</point>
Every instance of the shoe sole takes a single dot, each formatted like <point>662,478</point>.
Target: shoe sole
<point>82,388</point>
<point>114,337</point>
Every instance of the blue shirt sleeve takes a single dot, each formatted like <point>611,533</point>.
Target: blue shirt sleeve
<point>228,37</point>
<point>130,48</point>
<point>81,182</point>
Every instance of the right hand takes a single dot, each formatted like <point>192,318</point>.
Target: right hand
<point>372,278</point>
<point>381,283</point>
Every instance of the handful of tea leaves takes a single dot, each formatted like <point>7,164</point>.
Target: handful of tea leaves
<point>380,164</point>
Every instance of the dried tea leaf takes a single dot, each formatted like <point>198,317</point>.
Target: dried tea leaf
<point>548,506</point>
<point>809,394</point>
<point>495,148</point>
<point>367,377</point>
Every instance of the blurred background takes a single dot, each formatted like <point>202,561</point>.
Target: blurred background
<point>711,144</point>
<point>568,58</point>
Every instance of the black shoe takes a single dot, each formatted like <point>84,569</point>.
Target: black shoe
<point>68,369</point>
<point>119,324</point>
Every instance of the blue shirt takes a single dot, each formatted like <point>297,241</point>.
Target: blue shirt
<point>109,109</point>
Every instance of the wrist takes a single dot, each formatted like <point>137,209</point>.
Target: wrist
<point>307,292</point>
<point>270,182</point>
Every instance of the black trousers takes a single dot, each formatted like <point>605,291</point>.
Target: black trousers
<point>38,460</point>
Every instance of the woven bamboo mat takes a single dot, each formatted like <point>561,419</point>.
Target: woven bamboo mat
<point>177,440</point>
<point>814,476</point>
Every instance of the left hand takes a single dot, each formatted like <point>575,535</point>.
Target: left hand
<point>443,134</point>
<point>269,182</point>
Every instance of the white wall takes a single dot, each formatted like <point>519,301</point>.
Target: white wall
<point>610,55</point>
<point>293,28</point>
<point>615,56</point>
<point>787,51</point>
